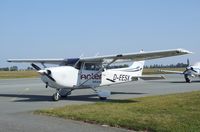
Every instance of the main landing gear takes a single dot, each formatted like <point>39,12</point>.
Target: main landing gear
<point>187,79</point>
<point>103,94</point>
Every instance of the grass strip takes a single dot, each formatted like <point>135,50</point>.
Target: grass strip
<point>18,74</point>
<point>170,113</point>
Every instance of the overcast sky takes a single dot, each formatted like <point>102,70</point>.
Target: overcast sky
<point>63,29</point>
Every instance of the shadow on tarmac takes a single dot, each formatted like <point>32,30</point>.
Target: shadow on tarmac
<point>88,98</point>
<point>185,82</point>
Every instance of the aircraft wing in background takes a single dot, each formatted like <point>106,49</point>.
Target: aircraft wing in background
<point>170,71</point>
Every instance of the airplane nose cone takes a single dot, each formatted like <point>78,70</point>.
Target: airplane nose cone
<point>42,72</point>
<point>188,68</point>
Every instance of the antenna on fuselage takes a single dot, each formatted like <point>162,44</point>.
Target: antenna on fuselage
<point>81,56</point>
<point>188,62</point>
<point>97,54</point>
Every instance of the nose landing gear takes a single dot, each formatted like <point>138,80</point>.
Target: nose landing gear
<point>187,79</point>
<point>56,96</point>
<point>61,93</point>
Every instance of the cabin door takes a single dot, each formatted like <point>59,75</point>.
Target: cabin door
<point>90,75</point>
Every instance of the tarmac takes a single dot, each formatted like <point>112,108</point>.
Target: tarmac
<point>19,97</point>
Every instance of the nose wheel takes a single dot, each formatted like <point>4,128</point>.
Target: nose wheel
<point>56,96</point>
<point>187,79</point>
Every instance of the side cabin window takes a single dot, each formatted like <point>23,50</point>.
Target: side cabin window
<point>92,66</point>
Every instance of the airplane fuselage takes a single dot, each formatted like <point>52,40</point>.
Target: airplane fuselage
<point>90,72</point>
<point>70,77</point>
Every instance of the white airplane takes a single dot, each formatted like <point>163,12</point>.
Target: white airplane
<point>92,72</point>
<point>190,71</point>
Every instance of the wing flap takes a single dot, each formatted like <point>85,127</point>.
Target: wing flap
<point>148,77</point>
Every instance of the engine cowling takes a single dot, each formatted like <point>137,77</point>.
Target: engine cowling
<point>64,76</point>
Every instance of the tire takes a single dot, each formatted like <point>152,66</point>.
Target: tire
<point>102,98</point>
<point>56,97</point>
<point>188,80</point>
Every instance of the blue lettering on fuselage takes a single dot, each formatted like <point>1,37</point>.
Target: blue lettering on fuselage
<point>121,77</point>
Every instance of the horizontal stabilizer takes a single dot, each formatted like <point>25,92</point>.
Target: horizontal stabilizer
<point>149,77</point>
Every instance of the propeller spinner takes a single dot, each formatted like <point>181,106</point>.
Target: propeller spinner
<point>43,72</point>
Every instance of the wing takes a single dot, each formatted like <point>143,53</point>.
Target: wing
<point>50,61</point>
<point>138,56</point>
<point>46,61</point>
<point>169,71</point>
<point>112,58</point>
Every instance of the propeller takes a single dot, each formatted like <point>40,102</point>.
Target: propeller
<point>48,75</point>
<point>189,67</point>
<point>192,69</point>
<point>186,71</point>
<point>36,67</point>
<point>44,72</point>
<point>188,62</point>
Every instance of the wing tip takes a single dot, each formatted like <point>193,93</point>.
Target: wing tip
<point>184,51</point>
<point>9,60</point>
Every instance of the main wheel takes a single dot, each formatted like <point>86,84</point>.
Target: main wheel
<point>56,97</point>
<point>102,98</point>
<point>187,80</point>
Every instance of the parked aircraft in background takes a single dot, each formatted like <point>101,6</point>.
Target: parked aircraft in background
<point>92,72</point>
<point>190,71</point>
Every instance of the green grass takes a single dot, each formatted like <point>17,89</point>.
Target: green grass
<point>33,74</point>
<point>170,113</point>
<point>18,74</point>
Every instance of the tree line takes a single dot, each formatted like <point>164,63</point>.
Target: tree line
<point>178,65</point>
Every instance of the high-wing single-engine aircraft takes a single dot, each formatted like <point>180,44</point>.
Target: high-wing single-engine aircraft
<point>190,71</point>
<point>93,72</point>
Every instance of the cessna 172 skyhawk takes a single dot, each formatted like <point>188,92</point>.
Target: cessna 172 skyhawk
<point>92,72</point>
<point>190,71</point>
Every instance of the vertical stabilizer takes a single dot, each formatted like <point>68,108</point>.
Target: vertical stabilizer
<point>136,68</point>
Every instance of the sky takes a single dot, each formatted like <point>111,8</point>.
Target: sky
<point>64,28</point>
